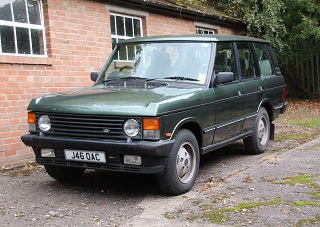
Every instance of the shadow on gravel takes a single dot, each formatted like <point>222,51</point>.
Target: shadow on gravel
<point>231,151</point>
<point>111,184</point>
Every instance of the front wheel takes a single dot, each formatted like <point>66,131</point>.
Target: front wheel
<point>182,165</point>
<point>64,174</point>
<point>258,142</point>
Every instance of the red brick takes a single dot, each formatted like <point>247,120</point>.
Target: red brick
<point>10,153</point>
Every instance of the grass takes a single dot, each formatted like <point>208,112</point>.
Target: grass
<point>301,121</point>
<point>300,179</point>
<point>313,221</point>
<point>309,181</point>
<point>219,216</point>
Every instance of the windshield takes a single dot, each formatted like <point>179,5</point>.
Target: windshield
<point>186,62</point>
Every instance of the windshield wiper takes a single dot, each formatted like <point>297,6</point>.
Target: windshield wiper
<point>180,78</point>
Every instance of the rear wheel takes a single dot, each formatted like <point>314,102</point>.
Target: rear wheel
<point>182,165</point>
<point>64,174</point>
<point>258,142</point>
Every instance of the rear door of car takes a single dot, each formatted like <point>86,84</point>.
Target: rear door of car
<point>270,73</point>
<point>253,84</point>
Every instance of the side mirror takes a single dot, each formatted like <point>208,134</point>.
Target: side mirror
<point>94,76</point>
<point>224,77</point>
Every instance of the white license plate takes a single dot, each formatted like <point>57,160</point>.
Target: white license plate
<point>85,156</point>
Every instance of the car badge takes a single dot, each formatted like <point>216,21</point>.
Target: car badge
<point>106,130</point>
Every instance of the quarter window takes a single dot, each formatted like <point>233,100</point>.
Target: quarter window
<point>122,28</point>
<point>22,27</point>
<point>264,60</point>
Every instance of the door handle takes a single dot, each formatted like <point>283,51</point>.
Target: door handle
<point>261,88</point>
<point>240,93</point>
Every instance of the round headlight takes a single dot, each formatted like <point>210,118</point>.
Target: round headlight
<point>44,123</point>
<point>131,128</point>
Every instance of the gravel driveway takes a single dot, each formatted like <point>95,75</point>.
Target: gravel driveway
<point>232,189</point>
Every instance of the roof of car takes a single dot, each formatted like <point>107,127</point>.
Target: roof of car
<point>193,38</point>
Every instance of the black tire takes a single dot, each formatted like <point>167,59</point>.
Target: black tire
<point>182,165</point>
<point>64,174</point>
<point>258,142</point>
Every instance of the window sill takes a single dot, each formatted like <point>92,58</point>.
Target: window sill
<point>25,60</point>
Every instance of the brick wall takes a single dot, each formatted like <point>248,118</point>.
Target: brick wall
<point>159,25</point>
<point>78,42</point>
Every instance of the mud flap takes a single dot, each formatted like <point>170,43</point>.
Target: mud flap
<point>272,128</point>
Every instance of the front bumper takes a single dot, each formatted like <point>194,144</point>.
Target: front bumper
<point>153,154</point>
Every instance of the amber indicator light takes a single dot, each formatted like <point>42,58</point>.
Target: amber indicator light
<point>151,124</point>
<point>31,118</point>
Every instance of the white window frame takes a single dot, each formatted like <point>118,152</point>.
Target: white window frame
<point>28,26</point>
<point>117,37</point>
<point>125,16</point>
<point>205,31</point>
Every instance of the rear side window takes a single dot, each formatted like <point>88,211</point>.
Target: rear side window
<point>246,59</point>
<point>265,63</point>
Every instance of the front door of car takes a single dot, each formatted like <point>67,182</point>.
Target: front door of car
<point>229,95</point>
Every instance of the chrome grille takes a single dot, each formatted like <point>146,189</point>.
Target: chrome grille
<point>86,126</point>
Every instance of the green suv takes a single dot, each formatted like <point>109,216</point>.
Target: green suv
<point>157,105</point>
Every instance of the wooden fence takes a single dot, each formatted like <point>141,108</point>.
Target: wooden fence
<point>302,72</point>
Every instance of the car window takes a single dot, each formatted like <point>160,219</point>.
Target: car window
<point>246,59</point>
<point>180,61</point>
<point>225,60</point>
<point>264,60</point>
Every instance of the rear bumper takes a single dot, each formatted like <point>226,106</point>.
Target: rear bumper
<point>284,107</point>
<point>153,154</point>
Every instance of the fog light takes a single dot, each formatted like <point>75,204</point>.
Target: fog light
<point>47,153</point>
<point>132,160</point>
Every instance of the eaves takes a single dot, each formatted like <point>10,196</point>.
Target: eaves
<point>165,8</point>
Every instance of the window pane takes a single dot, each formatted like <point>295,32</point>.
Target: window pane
<point>246,60</point>
<point>113,27</point>
<point>7,39</point>
<point>265,65</point>
<point>129,28</point>
<point>122,52</point>
<point>131,54</point>
<point>37,42</point>
<point>120,26</point>
<point>136,24</point>
<point>23,40</point>
<point>5,10</point>
<point>19,11</point>
<point>114,41</point>
<point>224,60</point>
<point>34,13</point>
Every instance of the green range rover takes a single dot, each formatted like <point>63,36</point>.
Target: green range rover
<point>157,105</point>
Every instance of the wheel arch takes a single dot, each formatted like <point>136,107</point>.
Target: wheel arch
<point>267,105</point>
<point>192,125</point>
